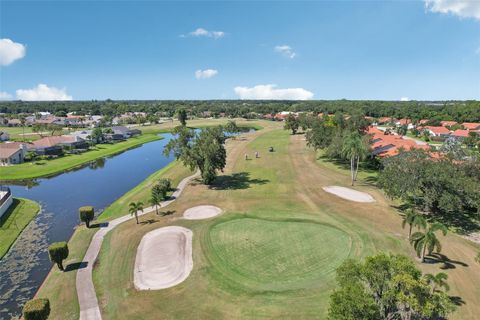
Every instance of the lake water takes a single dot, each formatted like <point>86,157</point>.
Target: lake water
<point>25,267</point>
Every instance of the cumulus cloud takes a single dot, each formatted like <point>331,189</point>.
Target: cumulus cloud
<point>461,8</point>
<point>42,92</point>
<point>10,51</point>
<point>270,92</point>
<point>404,99</point>
<point>201,32</point>
<point>285,51</point>
<point>205,74</point>
<point>5,95</point>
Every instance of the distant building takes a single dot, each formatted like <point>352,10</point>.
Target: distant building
<point>448,123</point>
<point>436,131</point>
<point>471,125</point>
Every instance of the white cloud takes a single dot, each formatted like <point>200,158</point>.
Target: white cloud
<point>205,74</point>
<point>200,32</point>
<point>461,8</point>
<point>404,99</point>
<point>42,93</point>
<point>10,51</point>
<point>285,51</point>
<point>270,92</point>
<point>5,95</point>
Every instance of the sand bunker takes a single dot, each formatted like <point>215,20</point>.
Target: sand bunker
<point>164,258</point>
<point>349,194</point>
<point>201,212</point>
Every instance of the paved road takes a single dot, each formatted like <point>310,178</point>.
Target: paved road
<point>87,297</point>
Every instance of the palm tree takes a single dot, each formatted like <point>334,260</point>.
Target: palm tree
<point>134,208</point>
<point>427,242</point>
<point>155,201</point>
<point>437,281</point>
<point>355,148</point>
<point>413,219</point>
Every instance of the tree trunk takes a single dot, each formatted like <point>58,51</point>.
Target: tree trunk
<point>60,265</point>
<point>352,169</point>
<point>136,217</point>
<point>423,253</point>
<point>356,171</point>
<point>87,223</point>
<point>156,209</point>
<point>410,232</point>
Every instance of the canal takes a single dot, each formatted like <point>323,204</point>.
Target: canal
<point>98,184</point>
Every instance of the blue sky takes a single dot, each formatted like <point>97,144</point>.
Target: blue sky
<point>321,50</point>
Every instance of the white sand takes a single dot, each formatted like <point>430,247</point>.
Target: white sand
<point>349,194</point>
<point>201,212</point>
<point>164,258</point>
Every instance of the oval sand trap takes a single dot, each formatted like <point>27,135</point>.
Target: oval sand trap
<point>201,212</point>
<point>349,194</point>
<point>164,258</point>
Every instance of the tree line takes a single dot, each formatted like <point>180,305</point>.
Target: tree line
<point>461,111</point>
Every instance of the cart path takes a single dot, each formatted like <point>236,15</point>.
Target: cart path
<point>87,297</point>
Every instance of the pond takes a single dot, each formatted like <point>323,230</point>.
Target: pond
<point>98,184</point>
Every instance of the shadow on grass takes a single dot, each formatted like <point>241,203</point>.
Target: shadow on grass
<point>456,300</point>
<point>463,223</point>
<point>435,258</point>
<point>364,167</point>
<point>235,181</point>
<point>167,213</point>
<point>149,221</point>
<point>76,266</point>
<point>99,225</point>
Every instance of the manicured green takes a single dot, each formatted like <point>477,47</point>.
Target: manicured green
<point>42,168</point>
<point>12,223</point>
<point>271,255</point>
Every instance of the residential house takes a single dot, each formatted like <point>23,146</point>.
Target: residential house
<point>385,145</point>
<point>4,136</point>
<point>14,123</point>
<point>471,125</point>
<point>438,131</point>
<point>12,153</point>
<point>405,122</point>
<point>385,120</point>
<point>448,123</point>
<point>460,134</point>
<point>54,145</point>
<point>125,132</point>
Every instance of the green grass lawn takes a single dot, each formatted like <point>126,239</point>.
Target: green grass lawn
<point>43,168</point>
<point>12,223</point>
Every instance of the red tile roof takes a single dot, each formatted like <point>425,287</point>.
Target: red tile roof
<point>448,123</point>
<point>460,133</point>
<point>471,125</point>
<point>437,130</point>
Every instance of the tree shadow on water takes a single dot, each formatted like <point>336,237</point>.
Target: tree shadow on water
<point>235,181</point>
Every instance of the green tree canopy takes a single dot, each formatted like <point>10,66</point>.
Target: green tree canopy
<point>385,287</point>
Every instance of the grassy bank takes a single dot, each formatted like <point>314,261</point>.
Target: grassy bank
<point>175,171</point>
<point>43,168</point>
<point>12,223</point>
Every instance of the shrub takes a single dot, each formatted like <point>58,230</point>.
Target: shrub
<point>36,309</point>
<point>87,214</point>
<point>58,251</point>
